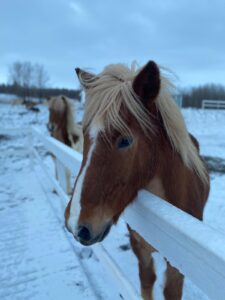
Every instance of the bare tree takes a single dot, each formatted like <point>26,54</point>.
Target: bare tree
<point>15,75</point>
<point>27,78</point>
<point>21,75</point>
<point>41,79</point>
<point>194,96</point>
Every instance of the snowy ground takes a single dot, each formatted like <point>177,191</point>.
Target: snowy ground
<point>208,126</point>
<point>39,260</point>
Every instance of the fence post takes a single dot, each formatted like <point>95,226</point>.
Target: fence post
<point>63,176</point>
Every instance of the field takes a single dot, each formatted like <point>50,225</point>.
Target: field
<point>38,256</point>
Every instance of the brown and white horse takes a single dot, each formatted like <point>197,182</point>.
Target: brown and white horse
<point>62,126</point>
<point>134,137</point>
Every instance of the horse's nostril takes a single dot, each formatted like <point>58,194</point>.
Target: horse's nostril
<point>84,233</point>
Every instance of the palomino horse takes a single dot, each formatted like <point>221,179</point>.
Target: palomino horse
<point>134,137</point>
<point>63,127</point>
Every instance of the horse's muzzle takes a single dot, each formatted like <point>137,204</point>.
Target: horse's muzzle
<point>86,237</point>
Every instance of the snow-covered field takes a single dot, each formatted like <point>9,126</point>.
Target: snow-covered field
<point>39,260</point>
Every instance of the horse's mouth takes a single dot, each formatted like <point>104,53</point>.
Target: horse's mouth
<point>99,238</point>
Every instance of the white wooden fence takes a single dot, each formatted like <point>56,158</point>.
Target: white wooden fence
<point>193,247</point>
<point>213,104</point>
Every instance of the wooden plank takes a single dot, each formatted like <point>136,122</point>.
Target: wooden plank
<point>194,248</point>
<point>63,196</point>
<point>61,173</point>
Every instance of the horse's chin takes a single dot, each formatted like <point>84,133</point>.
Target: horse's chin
<point>99,238</point>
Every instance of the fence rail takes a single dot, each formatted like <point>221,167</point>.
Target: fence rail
<point>214,104</point>
<point>192,246</point>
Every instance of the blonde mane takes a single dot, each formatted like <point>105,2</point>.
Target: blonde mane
<point>71,121</point>
<point>112,89</point>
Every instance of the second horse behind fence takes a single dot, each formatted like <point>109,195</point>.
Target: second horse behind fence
<point>63,127</point>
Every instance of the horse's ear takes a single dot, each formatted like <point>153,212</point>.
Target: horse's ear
<point>147,83</point>
<point>84,77</point>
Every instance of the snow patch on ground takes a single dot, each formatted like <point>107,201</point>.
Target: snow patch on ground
<point>208,126</point>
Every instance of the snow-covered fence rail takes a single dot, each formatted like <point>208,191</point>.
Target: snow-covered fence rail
<point>214,104</point>
<point>193,247</point>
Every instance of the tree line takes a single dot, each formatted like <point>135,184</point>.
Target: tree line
<point>28,80</point>
<point>194,97</point>
<point>38,93</point>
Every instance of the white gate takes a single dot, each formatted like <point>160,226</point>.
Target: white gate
<point>213,104</point>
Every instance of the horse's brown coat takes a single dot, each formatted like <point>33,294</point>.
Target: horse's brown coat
<point>153,161</point>
<point>63,128</point>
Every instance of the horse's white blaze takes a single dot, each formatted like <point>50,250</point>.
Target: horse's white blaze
<point>75,207</point>
<point>95,129</point>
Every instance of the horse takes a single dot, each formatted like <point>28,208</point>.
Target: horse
<point>62,126</point>
<point>135,138</point>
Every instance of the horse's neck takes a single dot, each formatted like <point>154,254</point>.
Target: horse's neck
<point>177,184</point>
<point>156,187</point>
<point>170,181</point>
<point>78,143</point>
<point>61,134</point>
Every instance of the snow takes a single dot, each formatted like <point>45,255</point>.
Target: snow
<point>208,126</point>
<point>39,259</point>
<point>37,262</point>
<point>7,98</point>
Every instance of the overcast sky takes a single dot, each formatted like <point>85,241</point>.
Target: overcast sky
<point>188,36</point>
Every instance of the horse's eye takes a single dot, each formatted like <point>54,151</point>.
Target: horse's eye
<point>124,142</point>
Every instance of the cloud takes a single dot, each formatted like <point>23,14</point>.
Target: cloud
<point>77,8</point>
<point>186,36</point>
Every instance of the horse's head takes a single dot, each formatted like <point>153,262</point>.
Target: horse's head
<point>57,113</point>
<point>117,158</point>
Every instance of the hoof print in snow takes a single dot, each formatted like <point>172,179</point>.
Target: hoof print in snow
<point>79,283</point>
<point>4,137</point>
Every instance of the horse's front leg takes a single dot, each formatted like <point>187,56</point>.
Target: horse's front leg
<point>173,283</point>
<point>147,275</point>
